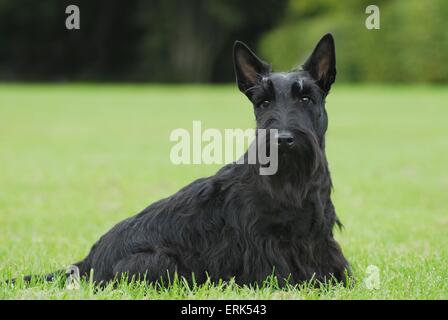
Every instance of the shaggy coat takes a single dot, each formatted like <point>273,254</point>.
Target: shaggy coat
<point>240,224</point>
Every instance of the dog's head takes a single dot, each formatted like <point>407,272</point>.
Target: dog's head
<point>292,102</point>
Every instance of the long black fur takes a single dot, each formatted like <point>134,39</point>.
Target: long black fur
<point>239,223</point>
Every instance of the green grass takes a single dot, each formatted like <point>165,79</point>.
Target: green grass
<point>76,159</point>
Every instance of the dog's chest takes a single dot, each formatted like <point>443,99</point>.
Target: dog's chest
<point>285,222</point>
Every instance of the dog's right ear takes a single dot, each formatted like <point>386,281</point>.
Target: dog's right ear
<point>248,67</point>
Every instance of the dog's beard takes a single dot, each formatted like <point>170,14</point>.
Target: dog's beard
<point>298,166</point>
<point>307,155</point>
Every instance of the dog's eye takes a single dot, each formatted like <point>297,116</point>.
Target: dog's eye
<point>264,104</point>
<point>305,100</point>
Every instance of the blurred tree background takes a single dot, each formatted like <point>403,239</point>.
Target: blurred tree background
<point>191,41</point>
<point>411,46</point>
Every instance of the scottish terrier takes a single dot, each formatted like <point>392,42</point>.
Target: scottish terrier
<point>240,224</point>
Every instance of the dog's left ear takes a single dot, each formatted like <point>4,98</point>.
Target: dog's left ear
<point>322,63</point>
<point>248,67</point>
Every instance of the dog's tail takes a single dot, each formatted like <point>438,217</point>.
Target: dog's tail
<point>62,274</point>
<point>47,277</point>
<point>34,278</point>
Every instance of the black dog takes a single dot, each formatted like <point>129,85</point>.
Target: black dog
<point>239,223</point>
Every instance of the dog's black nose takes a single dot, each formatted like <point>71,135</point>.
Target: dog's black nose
<point>285,139</point>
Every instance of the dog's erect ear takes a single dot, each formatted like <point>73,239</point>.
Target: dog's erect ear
<point>322,63</point>
<point>248,67</point>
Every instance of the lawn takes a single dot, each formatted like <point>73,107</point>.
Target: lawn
<point>76,159</point>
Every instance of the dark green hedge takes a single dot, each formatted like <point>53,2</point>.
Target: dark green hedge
<point>411,46</point>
